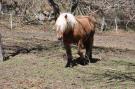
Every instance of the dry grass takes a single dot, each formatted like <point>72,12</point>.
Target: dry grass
<point>43,70</point>
<point>43,66</point>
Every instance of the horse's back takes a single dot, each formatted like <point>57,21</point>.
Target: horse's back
<point>90,18</point>
<point>87,23</point>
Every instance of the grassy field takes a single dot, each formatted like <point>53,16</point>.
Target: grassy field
<point>36,61</point>
<point>45,70</point>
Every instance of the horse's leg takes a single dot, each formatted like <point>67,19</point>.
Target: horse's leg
<point>80,52</point>
<point>89,46</point>
<point>69,55</point>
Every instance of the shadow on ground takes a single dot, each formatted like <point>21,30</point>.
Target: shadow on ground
<point>83,62</point>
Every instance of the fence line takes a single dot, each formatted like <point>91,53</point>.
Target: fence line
<point>120,20</point>
<point>103,23</point>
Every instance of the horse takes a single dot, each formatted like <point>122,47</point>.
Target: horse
<point>77,30</point>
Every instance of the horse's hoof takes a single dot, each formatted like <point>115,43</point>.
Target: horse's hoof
<point>93,61</point>
<point>86,62</point>
<point>69,65</point>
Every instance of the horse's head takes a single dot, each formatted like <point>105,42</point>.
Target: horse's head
<point>61,26</point>
<point>59,33</point>
<point>64,23</point>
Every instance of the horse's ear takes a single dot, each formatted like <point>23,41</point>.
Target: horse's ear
<point>66,16</point>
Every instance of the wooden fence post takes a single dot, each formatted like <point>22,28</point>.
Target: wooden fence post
<point>11,21</point>
<point>116,24</point>
<point>103,24</point>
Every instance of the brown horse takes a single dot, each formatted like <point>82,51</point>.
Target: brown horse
<point>79,30</point>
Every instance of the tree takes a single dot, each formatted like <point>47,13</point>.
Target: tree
<point>55,7</point>
<point>1,50</point>
<point>74,4</point>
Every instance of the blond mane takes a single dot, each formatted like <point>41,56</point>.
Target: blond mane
<point>65,21</point>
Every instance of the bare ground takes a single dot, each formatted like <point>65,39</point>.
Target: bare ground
<point>35,61</point>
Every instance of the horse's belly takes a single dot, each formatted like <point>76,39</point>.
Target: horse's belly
<point>71,41</point>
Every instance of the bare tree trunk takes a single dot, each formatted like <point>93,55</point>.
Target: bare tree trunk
<point>0,6</point>
<point>1,50</point>
<point>74,5</point>
<point>55,7</point>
